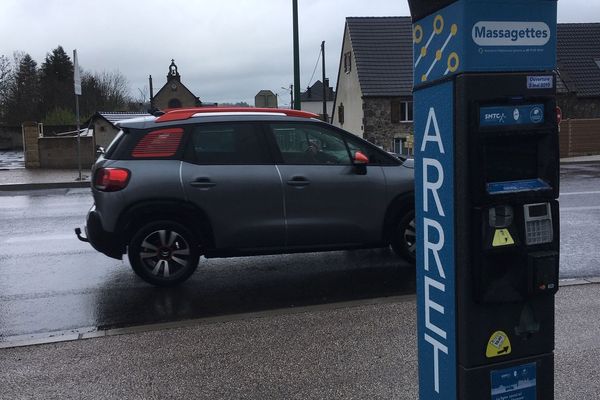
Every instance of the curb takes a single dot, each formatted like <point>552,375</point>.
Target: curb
<point>567,162</point>
<point>99,332</point>
<point>15,187</point>
<point>72,335</point>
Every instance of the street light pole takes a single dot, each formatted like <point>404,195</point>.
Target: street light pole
<point>325,86</point>
<point>297,104</point>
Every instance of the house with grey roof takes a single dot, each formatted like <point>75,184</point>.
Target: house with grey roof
<point>578,59</point>
<point>374,85</point>
<point>105,126</point>
<point>312,99</point>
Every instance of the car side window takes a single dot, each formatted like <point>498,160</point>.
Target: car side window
<point>376,156</point>
<point>222,144</point>
<point>310,144</point>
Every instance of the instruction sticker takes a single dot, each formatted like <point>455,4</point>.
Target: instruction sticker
<point>516,383</point>
<point>502,237</point>
<point>499,345</point>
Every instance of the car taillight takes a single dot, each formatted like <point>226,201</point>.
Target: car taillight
<point>111,179</point>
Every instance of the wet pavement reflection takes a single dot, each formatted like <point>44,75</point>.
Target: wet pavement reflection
<point>50,281</point>
<point>244,285</point>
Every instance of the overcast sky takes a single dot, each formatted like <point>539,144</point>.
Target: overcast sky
<point>226,50</point>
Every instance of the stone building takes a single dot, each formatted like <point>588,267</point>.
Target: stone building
<point>174,94</point>
<point>265,99</point>
<point>578,59</point>
<point>374,86</point>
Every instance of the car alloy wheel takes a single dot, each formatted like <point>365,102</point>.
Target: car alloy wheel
<point>410,238</point>
<point>404,238</point>
<point>164,253</point>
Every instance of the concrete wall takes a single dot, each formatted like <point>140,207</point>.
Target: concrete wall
<point>349,94</point>
<point>61,152</point>
<point>316,107</point>
<point>104,132</point>
<point>378,128</point>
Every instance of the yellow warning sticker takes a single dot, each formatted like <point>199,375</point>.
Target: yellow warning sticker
<point>499,345</point>
<point>502,237</point>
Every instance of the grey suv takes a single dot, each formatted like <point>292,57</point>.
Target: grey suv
<point>235,182</point>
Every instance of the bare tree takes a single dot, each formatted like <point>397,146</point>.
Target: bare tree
<point>6,75</point>
<point>115,89</point>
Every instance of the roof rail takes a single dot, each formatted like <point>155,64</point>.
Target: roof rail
<point>187,113</point>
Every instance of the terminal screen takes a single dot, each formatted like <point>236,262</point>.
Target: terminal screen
<point>505,161</point>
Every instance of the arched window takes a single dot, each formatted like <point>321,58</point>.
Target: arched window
<point>174,103</point>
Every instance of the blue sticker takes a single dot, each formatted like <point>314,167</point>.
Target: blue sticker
<point>516,383</point>
<point>511,115</point>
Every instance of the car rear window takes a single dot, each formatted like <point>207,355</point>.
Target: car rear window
<point>158,144</point>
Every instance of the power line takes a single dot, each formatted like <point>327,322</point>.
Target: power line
<point>315,70</point>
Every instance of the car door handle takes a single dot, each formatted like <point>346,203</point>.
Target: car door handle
<point>298,181</point>
<point>203,183</point>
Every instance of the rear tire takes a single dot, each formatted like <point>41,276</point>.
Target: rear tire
<point>164,253</point>
<point>404,237</point>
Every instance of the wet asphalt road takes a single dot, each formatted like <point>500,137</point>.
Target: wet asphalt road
<point>51,282</point>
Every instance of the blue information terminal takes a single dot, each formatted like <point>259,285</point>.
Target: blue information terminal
<point>486,190</point>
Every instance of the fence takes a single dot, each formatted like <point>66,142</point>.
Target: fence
<point>579,137</point>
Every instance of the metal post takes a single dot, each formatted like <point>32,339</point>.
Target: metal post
<point>151,93</point>
<point>77,90</point>
<point>297,105</point>
<point>78,136</point>
<point>325,87</point>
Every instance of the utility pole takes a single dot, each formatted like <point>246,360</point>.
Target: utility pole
<point>151,93</point>
<point>297,104</point>
<point>325,86</point>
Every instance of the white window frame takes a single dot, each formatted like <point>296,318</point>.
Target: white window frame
<point>404,105</point>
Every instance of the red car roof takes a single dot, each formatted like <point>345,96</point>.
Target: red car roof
<point>186,113</point>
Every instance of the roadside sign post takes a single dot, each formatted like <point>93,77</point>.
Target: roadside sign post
<point>77,88</point>
<point>486,190</point>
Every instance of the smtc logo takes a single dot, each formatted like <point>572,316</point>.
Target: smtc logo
<point>495,117</point>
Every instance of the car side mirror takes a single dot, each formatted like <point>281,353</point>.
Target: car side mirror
<point>360,162</point>
<point>360,159</point>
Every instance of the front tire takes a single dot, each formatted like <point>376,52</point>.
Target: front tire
<point>404,237</point>
<point>164,253</point>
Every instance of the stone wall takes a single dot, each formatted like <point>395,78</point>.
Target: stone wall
<point>11,137</point>
<point>61,152</point>
<point>378,126</point>
<point>30,144</point>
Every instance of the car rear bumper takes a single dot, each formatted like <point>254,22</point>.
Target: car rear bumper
<point>105,242</point>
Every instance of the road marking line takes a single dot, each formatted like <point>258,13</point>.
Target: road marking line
<point>579,208</point>
<point>39,238</point>
<point>578,193</point>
